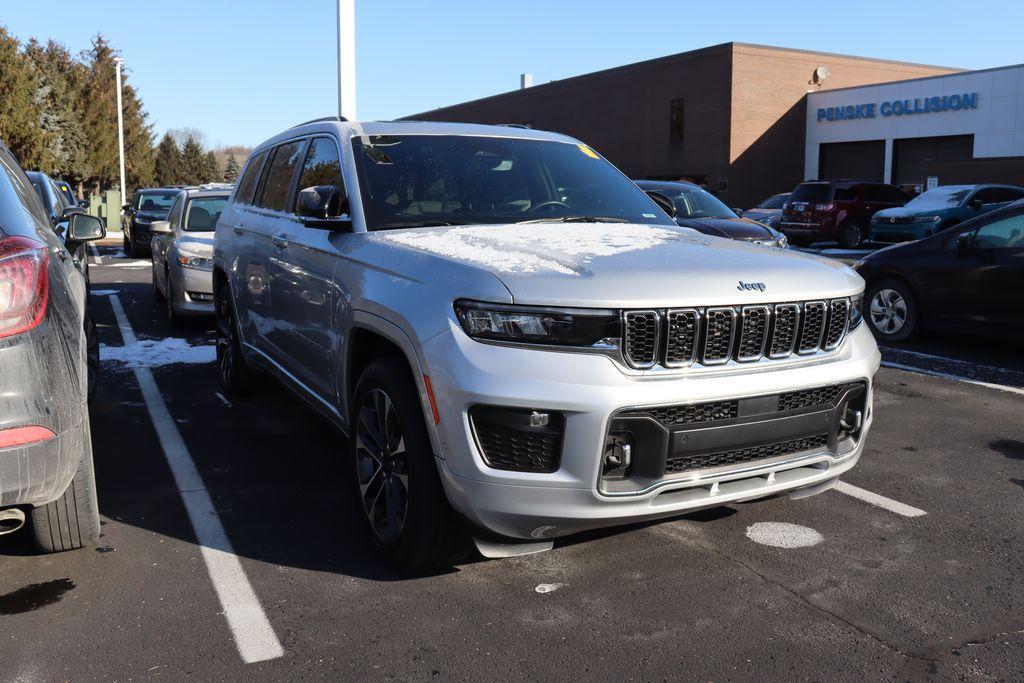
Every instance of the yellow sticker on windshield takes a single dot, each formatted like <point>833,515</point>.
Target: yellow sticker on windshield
<point>589,152</point>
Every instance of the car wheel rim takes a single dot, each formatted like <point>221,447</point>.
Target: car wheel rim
<point>888,311</point>
<point>382,466</point>
<point>853,234</point>
<point>225,341</point>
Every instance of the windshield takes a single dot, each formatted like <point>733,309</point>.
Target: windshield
<point>814,193</point>
<point>698,203</point>
<point>202,214</point>
<point>940,198</point>
<point>775,202</point>
<point>422,180</point>
<point>157,202</point>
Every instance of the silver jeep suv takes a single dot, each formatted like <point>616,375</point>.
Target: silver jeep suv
<point>521,344</point>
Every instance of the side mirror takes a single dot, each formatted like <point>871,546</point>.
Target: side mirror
<point>85,228</point>
<point>738,212</point>
<point>663,201</point>
<point>963,245</point>
<point>975,203</point>
<point>160,228</point>
<point>70,211</point>
<point>323,207</point>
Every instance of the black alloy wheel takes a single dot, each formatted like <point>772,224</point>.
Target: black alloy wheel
<point>236,379</point>
<point>382,467</point>
<point>852,234</point>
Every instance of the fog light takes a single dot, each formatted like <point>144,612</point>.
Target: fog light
<point>539,419</point>
<point>619,450</point>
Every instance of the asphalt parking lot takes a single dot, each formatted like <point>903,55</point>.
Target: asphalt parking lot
<point>253,564</point>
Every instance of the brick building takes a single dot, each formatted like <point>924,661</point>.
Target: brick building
<point>731,117</point>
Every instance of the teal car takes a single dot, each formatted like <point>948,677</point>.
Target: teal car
<point>938,209</point>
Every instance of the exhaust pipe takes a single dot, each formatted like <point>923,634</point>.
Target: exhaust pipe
<point>11,520</point>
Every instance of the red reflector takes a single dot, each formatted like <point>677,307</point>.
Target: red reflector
<point>24,284</point>
<point>433,401</point>
<point>22,436</point>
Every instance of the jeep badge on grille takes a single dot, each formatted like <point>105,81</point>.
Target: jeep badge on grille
<point>751,286</point>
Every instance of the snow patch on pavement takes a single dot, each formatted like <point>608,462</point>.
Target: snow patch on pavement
<point>783,535</point>
<point>103,292</point>
<point>151,353</point>
<point>548,587</point>
<point>530,248</point>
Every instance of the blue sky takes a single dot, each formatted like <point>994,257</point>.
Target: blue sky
<point>240,71</point>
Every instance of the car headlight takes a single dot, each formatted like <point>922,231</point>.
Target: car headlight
<point>926,219</point>
<point>856,311</point>
<point>782,242</point>
<point>597,328</point>
<point>195,262</point>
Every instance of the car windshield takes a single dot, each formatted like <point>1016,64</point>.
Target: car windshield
<point>940,198</point>
<point>698,203</point>
<point>814,193</point>
<point>157,202</point>
<point>775,202</point>
<point>409,181</point>
<point>202,213</point>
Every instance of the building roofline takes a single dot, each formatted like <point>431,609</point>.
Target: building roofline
<point>965,72</point>
<point>728,46</point>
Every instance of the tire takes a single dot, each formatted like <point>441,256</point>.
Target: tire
<point>398,490</point>
<point>92,354</point>
<point>237,379</point>
<point>132,251</point>
<point>126,244</point>
<point>851,234</point>
<point>891,310</point>
<point>73,520</point>
<point>172,316</point>
<point>157,294</point>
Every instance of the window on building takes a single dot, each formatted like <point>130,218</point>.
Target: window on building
<point>676,120</point>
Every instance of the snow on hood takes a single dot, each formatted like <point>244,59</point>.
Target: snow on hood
<point>564,248</point>
<point>200,244</point>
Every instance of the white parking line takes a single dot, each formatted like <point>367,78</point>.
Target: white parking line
<point>958,378</point>
<point>96,258</point>
<point>224,399</point>
<point>879,501</point>
<point>254,636</point>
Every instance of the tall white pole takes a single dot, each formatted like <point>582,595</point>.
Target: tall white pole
<point>347,59</point>
<point>120,125</point>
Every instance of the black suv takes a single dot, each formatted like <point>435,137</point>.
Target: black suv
<point>147,207</point>
<point>836,210</point>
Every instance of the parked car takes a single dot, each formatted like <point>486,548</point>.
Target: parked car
<point>768,212</point>
<point>938,209</point>
<point>694,207</point>
<point>182,250</point>
<point>147,206</point>
<point>969,275</point>
<point>69,194</point>
<point>521,343</point>
<point>836,210</point>
<point>55,205</point>
<point>49,354</point>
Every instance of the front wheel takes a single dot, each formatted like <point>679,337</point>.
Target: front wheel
<point>398,488</point>
<point>851,235</point>
<point>236,377</point>
<point>892,310</point>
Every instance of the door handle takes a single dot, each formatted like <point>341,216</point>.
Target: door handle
<point>239,230</point>
<point>280,242</point>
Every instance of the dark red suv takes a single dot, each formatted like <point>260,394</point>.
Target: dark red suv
<point>836,210</point>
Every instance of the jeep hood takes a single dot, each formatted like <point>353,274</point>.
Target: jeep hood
<point>629,266</point>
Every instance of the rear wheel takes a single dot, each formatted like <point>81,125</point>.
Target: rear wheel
<point>236,377</point>
<point>399,491</point>
<point>892,310</point>
<point>126,244</point>
<point>851,235</point>
<point>73,520</point>
<point>92,353</point>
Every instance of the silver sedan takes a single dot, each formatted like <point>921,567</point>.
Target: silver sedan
<point>183,252</point>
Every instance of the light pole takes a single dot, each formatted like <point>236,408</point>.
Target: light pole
<point>347,59</point>
<point>120,126</point>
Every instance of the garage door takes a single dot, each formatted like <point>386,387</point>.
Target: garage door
<point>864,160</point>
<point>911,155</point>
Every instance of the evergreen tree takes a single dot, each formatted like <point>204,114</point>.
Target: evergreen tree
<point>211,169</point>
<point>19,119</point>
<point>167,165</point>
<point>64,151</point>
<point>193,162</point>
<point>231,169</point>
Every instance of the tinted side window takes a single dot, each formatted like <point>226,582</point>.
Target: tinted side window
<point>845,194</point>
<point>1006,194</point>
<point>987,195</point>
<point>1007,233</point>
<point>247,185</point>
<point>26,195</point>
<point>174,218</point>
<point>322,166</point>
<point>279,176</point>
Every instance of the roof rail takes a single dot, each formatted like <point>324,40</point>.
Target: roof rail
<point>340,119</point>
<point>525,126</point>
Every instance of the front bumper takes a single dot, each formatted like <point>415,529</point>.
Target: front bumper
<point>589,390</point>
<point>193,291</point>
<point>893,233</point>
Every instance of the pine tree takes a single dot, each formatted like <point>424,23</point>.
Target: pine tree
<point>231,169</point>
<point>19,119</point>
<point>193,162</point>
<point>167,165</point>
<point>211,169</point>
<point>64,152</point>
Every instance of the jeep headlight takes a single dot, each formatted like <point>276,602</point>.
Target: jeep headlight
<point>599,328</point>
<point>856,311</point>
<point>186,260</point>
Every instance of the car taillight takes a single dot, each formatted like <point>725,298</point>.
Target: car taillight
<point>24,284</point>
<point>824,207</point>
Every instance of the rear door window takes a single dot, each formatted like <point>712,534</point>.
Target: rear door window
<point>845,194</point>
<point>247,185</point>
<point>280,173</point>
